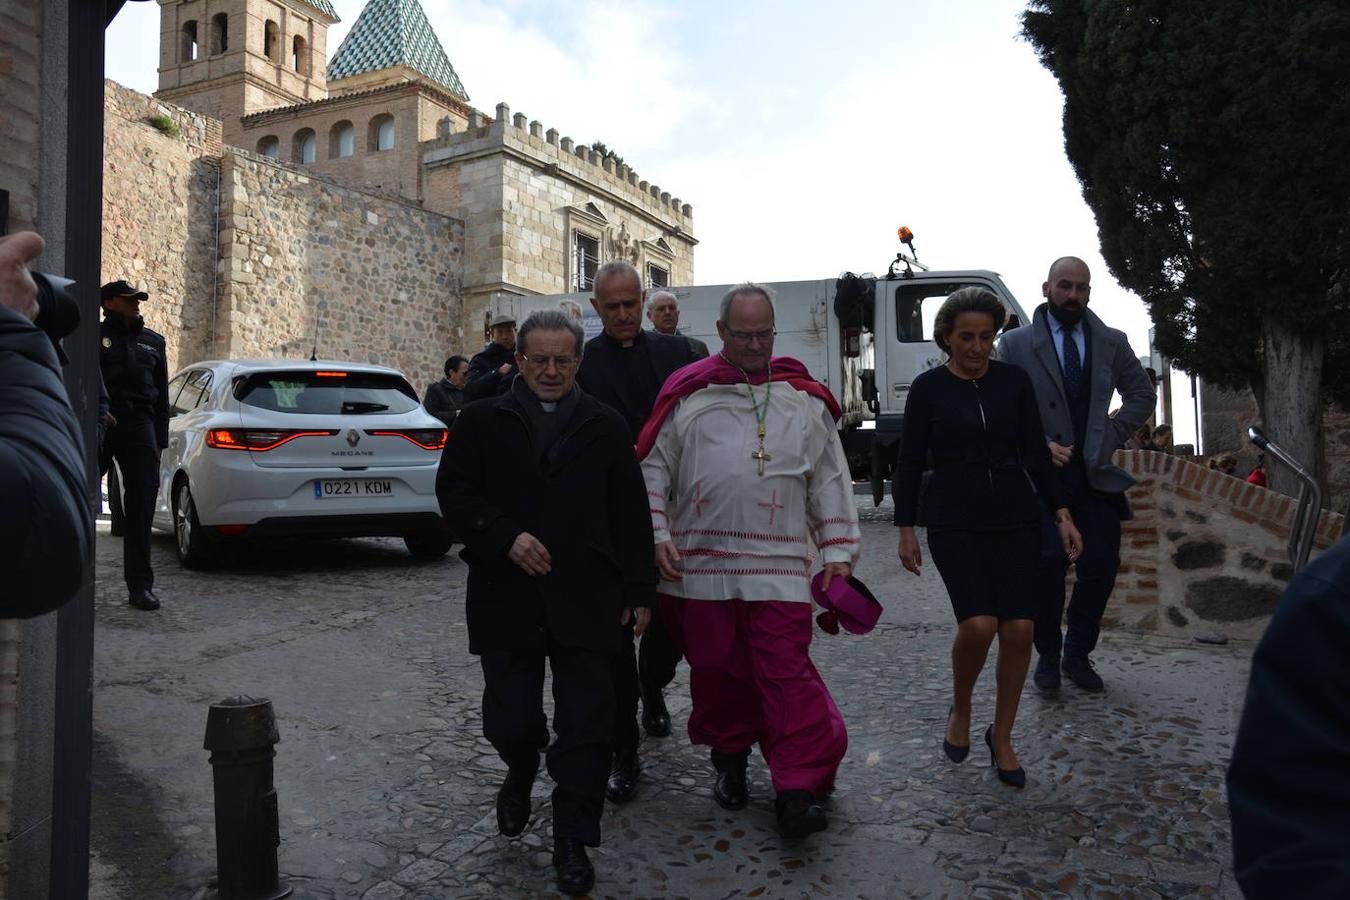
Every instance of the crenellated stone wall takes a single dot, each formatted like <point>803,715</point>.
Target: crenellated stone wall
<point>306,262</point>
<point>249,257</point>
<point>159,214</point>
<point>1205,551</point>
<point>525,192</point>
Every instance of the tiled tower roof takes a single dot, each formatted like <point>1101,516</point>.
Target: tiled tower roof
<point>324,7</point>
<point>391,33</point>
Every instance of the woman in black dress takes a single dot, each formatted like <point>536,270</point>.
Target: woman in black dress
<point>991,475</point>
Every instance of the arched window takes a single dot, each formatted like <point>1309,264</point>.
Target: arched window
<point>381,135</point>
<point>300,55</point>
<point>341,140</point>
<point>220,33</point>
<point>269,147</point>
<point>271,41</point>
<point>304,146</point>
<point>188,51</point>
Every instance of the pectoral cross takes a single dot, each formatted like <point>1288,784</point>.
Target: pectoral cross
<point>759,455</point>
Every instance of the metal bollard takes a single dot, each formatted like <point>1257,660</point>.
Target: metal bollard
<point>240,733</point>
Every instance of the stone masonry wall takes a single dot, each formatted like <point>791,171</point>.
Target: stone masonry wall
<point>376,279</point>
<point>1225,416</point>
<point>159,214</point>
<point>1205,551</point>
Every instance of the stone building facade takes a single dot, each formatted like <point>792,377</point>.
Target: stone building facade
<point>472,209</point>
<point>244,256</point>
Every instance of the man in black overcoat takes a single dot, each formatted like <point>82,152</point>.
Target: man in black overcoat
<point>543,487</point>
<point>624,368</point>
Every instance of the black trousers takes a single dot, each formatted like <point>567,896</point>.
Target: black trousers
<point>1097,516</point>
<point>137,453</point>
<point>638,672</point>
<point>583,714</point>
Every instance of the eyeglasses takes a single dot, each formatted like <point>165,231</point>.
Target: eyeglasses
<point>562,363</point>
<point>746,337</point>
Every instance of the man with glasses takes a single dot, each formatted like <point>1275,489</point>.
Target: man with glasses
<point>746,479</point>
<point>545,491</point>
<point>624,369</point>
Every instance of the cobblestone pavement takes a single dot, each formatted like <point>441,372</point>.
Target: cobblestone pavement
<point>386,785</point>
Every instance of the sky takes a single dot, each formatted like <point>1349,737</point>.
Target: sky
<point>803,133</point>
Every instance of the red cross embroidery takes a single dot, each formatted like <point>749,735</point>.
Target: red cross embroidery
<point>772,506</point>
<point>698,500</point>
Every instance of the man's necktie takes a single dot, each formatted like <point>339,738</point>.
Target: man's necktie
<point>1073,365</point>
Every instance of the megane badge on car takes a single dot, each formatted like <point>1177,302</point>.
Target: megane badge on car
<point>353,437</point>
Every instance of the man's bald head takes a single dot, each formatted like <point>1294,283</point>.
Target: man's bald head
<point>1066,261</point>
<point>1068,287</point>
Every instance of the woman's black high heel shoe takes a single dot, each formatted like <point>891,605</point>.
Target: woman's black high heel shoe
<point>955,752</point>
<point>1015,777</point>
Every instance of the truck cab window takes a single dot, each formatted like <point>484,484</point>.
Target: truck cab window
<point>916,307</point>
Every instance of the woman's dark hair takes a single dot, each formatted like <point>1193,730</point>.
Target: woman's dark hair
<point>967,300</point>
<point>452,364</point>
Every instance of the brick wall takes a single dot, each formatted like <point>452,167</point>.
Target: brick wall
<point>1205,551</point>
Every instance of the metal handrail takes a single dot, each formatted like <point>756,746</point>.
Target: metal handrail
<point>1309,508</point>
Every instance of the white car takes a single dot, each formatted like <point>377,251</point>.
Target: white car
<point>272,447</point>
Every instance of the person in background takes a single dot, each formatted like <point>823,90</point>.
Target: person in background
<point>1161,439</point>
<point>663,309</point>
<point>445,397</point>
<point>494,367</point>
<point>1257,475</point>
<point>624,368</point>
<point>1225,463</point>
<point>134,362</point>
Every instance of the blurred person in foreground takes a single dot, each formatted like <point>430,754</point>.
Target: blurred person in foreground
<point>1289,779</point>
<point>46,526</point>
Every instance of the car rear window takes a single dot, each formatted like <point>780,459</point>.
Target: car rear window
<point>335,392</point>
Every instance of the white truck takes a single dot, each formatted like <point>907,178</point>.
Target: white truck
<point>864,337</point>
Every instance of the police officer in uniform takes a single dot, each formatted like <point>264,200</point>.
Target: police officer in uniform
<point>135,370</point>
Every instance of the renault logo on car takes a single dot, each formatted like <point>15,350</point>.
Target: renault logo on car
<point>353,437</point>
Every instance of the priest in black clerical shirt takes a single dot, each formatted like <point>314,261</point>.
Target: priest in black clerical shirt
<point>624,368</point>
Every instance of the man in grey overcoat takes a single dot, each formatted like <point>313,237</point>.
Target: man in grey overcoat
<point>1076,363</point>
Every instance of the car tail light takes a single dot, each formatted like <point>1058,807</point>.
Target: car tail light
<point>257,440</point>
<point>232,530</point>
<point>426,438</point>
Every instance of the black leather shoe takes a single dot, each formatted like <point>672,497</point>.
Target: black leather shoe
<point>576,875</point>
<point>1013,777</point>
<point>655,716</point>
<point>1080,672</point>
<point>144,599</point>
<point>1047,673</point>
<point>955,752</point>
<point>799,814</point>
<point>513,803</point>
<point>623,777</point>
<point>730,791</point>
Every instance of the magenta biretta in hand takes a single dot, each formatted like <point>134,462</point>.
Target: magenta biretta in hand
<point>848,602</point>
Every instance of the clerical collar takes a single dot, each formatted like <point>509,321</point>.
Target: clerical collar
<point>548,406</point>
<point>626,345</point>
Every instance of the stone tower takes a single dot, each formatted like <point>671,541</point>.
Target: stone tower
<point>230,58</point>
